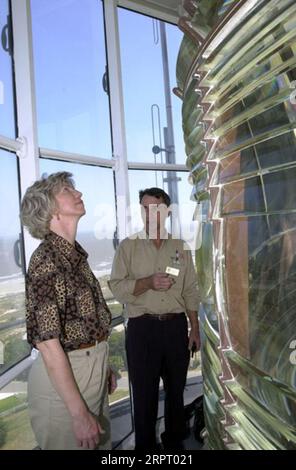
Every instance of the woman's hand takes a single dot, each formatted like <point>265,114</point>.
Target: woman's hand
<point>87,430</point>
<point>112,381</point>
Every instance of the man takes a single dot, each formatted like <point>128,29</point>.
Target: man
<point>153,275</point>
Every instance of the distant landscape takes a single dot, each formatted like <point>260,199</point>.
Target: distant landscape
<point>101,253</point>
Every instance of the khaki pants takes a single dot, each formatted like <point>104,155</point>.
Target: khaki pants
<point>50,419</point>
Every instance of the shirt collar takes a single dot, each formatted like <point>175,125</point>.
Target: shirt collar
<point>74,254</point>
<point>143,235</point>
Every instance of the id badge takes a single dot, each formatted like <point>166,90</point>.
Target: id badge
<point>172,271</point>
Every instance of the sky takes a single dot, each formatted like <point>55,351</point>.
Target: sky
<point>69,43</point>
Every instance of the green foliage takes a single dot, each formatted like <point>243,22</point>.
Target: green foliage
<point>18,433</point>
<point>117,352</point>
<point>10,402</point>
<point>3,432</point>
<point>116,309</point>
<point>118,394</point>
<point>116,343</point>
<point>15,349</point>
<point>117,364</point>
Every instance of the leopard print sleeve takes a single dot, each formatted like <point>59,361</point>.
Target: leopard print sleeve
<point>42,309</point>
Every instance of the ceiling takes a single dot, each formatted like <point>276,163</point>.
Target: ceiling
<point>168,10</point>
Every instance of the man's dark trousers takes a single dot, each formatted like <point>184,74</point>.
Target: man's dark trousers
<point>158,348</point>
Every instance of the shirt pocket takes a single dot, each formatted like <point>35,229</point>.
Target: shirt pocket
<point>140,267</point>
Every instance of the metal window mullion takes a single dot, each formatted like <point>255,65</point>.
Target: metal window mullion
<point>16,370</point>
<point>76,158</point>
<point>25,101</point>
<point>117,116</point>
<point>157,166</point>
<point>10,144</point>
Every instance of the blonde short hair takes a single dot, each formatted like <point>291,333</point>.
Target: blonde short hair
<point>38,203</point>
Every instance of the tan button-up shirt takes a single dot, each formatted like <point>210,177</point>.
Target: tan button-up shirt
<point>137,258</point>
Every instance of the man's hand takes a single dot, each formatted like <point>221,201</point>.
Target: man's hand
<point>157,281</point>
<point>87,430</point>
<point>161,281</point>
<point>112,382</point>
<point>194,338</point>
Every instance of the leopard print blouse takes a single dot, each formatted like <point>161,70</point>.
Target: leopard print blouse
<point>63,297</point>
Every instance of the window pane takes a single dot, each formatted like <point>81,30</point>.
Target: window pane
<point>142,71</point>
<point>69,57</point>
<point>186,229</point>
<point>120,406</point>
<point>15,428</point>
<point>7,125</point>
<point>96,230</point>
<point>12,298</point>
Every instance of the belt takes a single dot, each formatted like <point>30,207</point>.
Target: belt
<point>161,316</point>
<point>91,345</point>
<point>86,345</point>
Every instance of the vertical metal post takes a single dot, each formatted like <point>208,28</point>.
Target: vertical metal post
<point>117,118</point>
<point>25,101</point>
<point>169,130</point>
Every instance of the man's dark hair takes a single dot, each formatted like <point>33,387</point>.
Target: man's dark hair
<point>155,192</point>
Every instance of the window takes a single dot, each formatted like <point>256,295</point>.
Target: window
<point>120,406</point>
<point>144,86</point>
<point>7,124</point>
<point>70,63</point>
<point>12,298</point>
<point>15,428</point>
<point>97,229</point>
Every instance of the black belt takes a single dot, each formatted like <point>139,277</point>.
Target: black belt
<point>161,316</point>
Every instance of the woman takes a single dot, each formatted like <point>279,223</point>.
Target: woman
<point>68,321</point>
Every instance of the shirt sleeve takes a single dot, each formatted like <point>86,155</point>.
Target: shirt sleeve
<point>120,282</point>
<point>42,317</point>
<point>190,290</point>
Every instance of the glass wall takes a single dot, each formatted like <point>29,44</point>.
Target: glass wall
<point>12,298</point>
<point>70,63</point>
<point>15,428</point>
<point>142,49</point>
<point>97,229</point>
<point>120,403</point>
<point>7,122</point>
